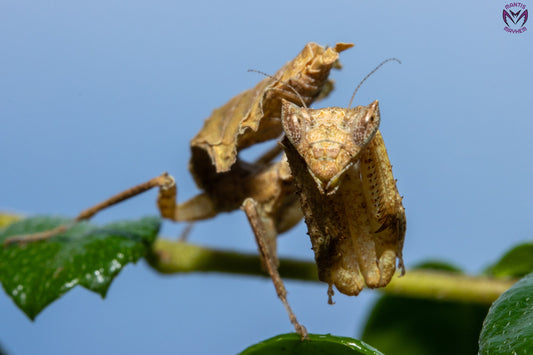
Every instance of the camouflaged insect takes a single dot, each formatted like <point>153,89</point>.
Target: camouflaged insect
<point>348,195</point>
<point>252,117</point>
<point>336,156</point>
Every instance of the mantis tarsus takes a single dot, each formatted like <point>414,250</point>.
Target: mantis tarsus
<point>335,172</point>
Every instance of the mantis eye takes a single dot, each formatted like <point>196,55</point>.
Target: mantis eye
<point>292,121</point>
<point>293,129</point>
<point>363,131</point>
<point>365,124</point>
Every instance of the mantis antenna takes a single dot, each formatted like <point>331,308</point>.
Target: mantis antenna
<point>368,75</point>
<point>283,82</point>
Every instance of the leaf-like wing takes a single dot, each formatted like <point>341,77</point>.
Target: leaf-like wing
<point>253,115</point>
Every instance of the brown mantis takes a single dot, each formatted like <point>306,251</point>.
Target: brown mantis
<point>335,173</point>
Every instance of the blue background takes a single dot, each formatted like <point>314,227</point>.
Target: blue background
<point>97,96</point>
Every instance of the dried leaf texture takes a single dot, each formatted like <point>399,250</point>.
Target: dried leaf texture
<point>271,186</point>
<point>253,116</point>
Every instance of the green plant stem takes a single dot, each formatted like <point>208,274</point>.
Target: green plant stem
<point>441,285</point>
<point>181,257</point>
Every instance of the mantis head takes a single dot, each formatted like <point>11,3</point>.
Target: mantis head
<point>329,139</point>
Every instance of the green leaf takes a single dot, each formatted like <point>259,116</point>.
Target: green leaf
<point>402,325</point>
<point>36,274</point>
<point>508,328</point>
<point>517,262</point>
<point>317,344</point>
